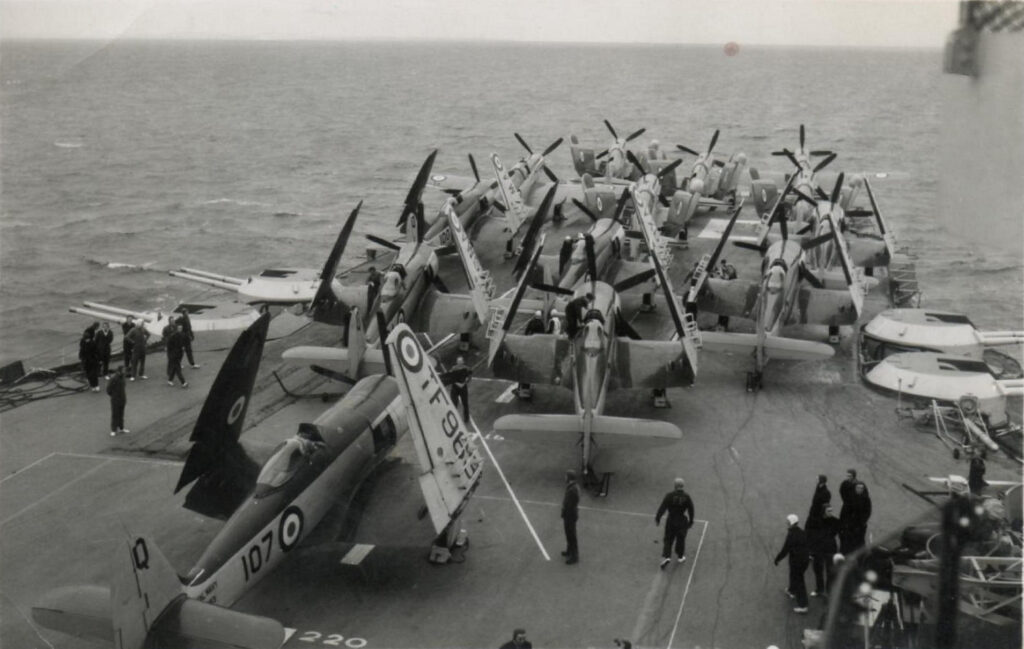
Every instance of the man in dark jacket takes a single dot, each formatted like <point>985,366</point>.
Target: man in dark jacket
<point>976,474</point>
<point>679,506</point>
<point>104,341</point>
<point>574,312</point>
<point>138,337</point>
<point>186,327</point>
<point>795,548</point>
<point>846,495</point>
<point>175,342</point>
<point>88,355</point>
<point>570,514</point>
<point>458,379</point>
<point>821,543</point>
<point>118,400</point>
<point>853,520</point>
<point>822,496</point>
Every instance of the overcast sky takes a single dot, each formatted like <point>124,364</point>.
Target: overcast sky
<point>868,23</point>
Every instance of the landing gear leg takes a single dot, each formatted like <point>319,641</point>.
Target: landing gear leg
<point>659,398</point>
<point>753,381</point>
<point>598,483</point>
<point>452,540</point>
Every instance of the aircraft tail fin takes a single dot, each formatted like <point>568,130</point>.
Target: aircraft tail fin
<point>220,422</point>
<point>516,213</point>
<point>144,586</point>
<point>450,463</point>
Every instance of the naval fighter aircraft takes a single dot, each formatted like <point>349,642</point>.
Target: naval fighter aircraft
<point>271,509</point>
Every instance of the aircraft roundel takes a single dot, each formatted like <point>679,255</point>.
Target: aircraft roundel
<point>438,177</point>
<point>409,351</point>
<point>290,529</point>
<point>236,410</point>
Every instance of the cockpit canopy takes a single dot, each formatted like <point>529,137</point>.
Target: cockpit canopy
<point>289,458</point>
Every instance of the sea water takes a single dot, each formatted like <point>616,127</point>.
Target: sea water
<point>120,161</point>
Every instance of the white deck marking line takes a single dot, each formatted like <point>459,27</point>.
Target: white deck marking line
<point>507,395</point>
<point>693,569</point>
<point>26,468</point>
<point>288,633</point>
<point>54,492</point>
<point>510,492</point>
<point>26,618</point>
<point>123,458</point>
<point>356,555</point>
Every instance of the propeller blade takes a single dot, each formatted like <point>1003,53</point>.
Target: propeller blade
<point>500,206</point>
<point>416,191</point>
<point>551,147</point>
<point>664,201</point>
<point>783,227</point>
<point>843,260</point>
<point>804,197</point>
<point>837,190</point>
<point>622,325</point>
<point>802,138</point>
<point>472,164</point>
<point>669,168</point>
<point>383,242</point>
<point>453,192</point>
<point>880,220</point>
<point>588,245</point>
<point>718,163</point>
<point>610,129</point>
<point>714,141</point>
<point>620,206</point>
<point>686,149</point>
<point>634,280</point>
<point>717,252</point>
<point>550,174</point>
<point>523,284</point>
<point>820,193</point>
<point>804,230</point>
<point>750,245</point>
<point>810,277</point>
<point>824,163</point>
<point>635,134</point>
<point>324,296</point>
<point>858,213</point>
<point>523,142</point>
<point>792,158</point>
<point>816,241</point>
<point>531,233</point>
<point>821,153</point>
<point>601,155</point>
<point>586,210</point>
<point>549,288</point>
<point>636,161</point>
<point>444,251</point>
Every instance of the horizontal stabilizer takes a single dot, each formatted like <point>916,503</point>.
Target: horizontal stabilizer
<point>776,347</point>
<point>336,359</point>
<point>611,431</point>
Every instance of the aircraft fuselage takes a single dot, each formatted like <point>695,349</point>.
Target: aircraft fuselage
<point>297,486</point>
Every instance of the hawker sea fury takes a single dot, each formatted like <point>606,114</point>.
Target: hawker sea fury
<point>780,298</point>
<point>710,185</point>
<point>270,510</point>
<point>601,352</point>
<point>411,292</point>
<point>612,163</point>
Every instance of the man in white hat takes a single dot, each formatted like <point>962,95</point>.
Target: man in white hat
<point>795,548</point>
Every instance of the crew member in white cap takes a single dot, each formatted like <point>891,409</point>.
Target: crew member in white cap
<point>679,506</point>
<point>795,548</point>
<point>555,323</point>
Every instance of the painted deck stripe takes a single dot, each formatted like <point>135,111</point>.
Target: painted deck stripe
<point>55,492</point>
<point>356,555</point>
<point>507,396</point>
<point>501,474</point>
<point>26,468</point>
<point>686,591</point>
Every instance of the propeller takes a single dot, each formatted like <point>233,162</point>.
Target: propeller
<point>325,298</point>
<point>632,136</point>
<point>837,190</point>
<point>788,154</point>
<point>804,197</point>
<point>551,147</point>
<point>634,280</point>
<point>412,199</point>
<point>531,233</point>
<point>666,170</point>
<point>383,242</point>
